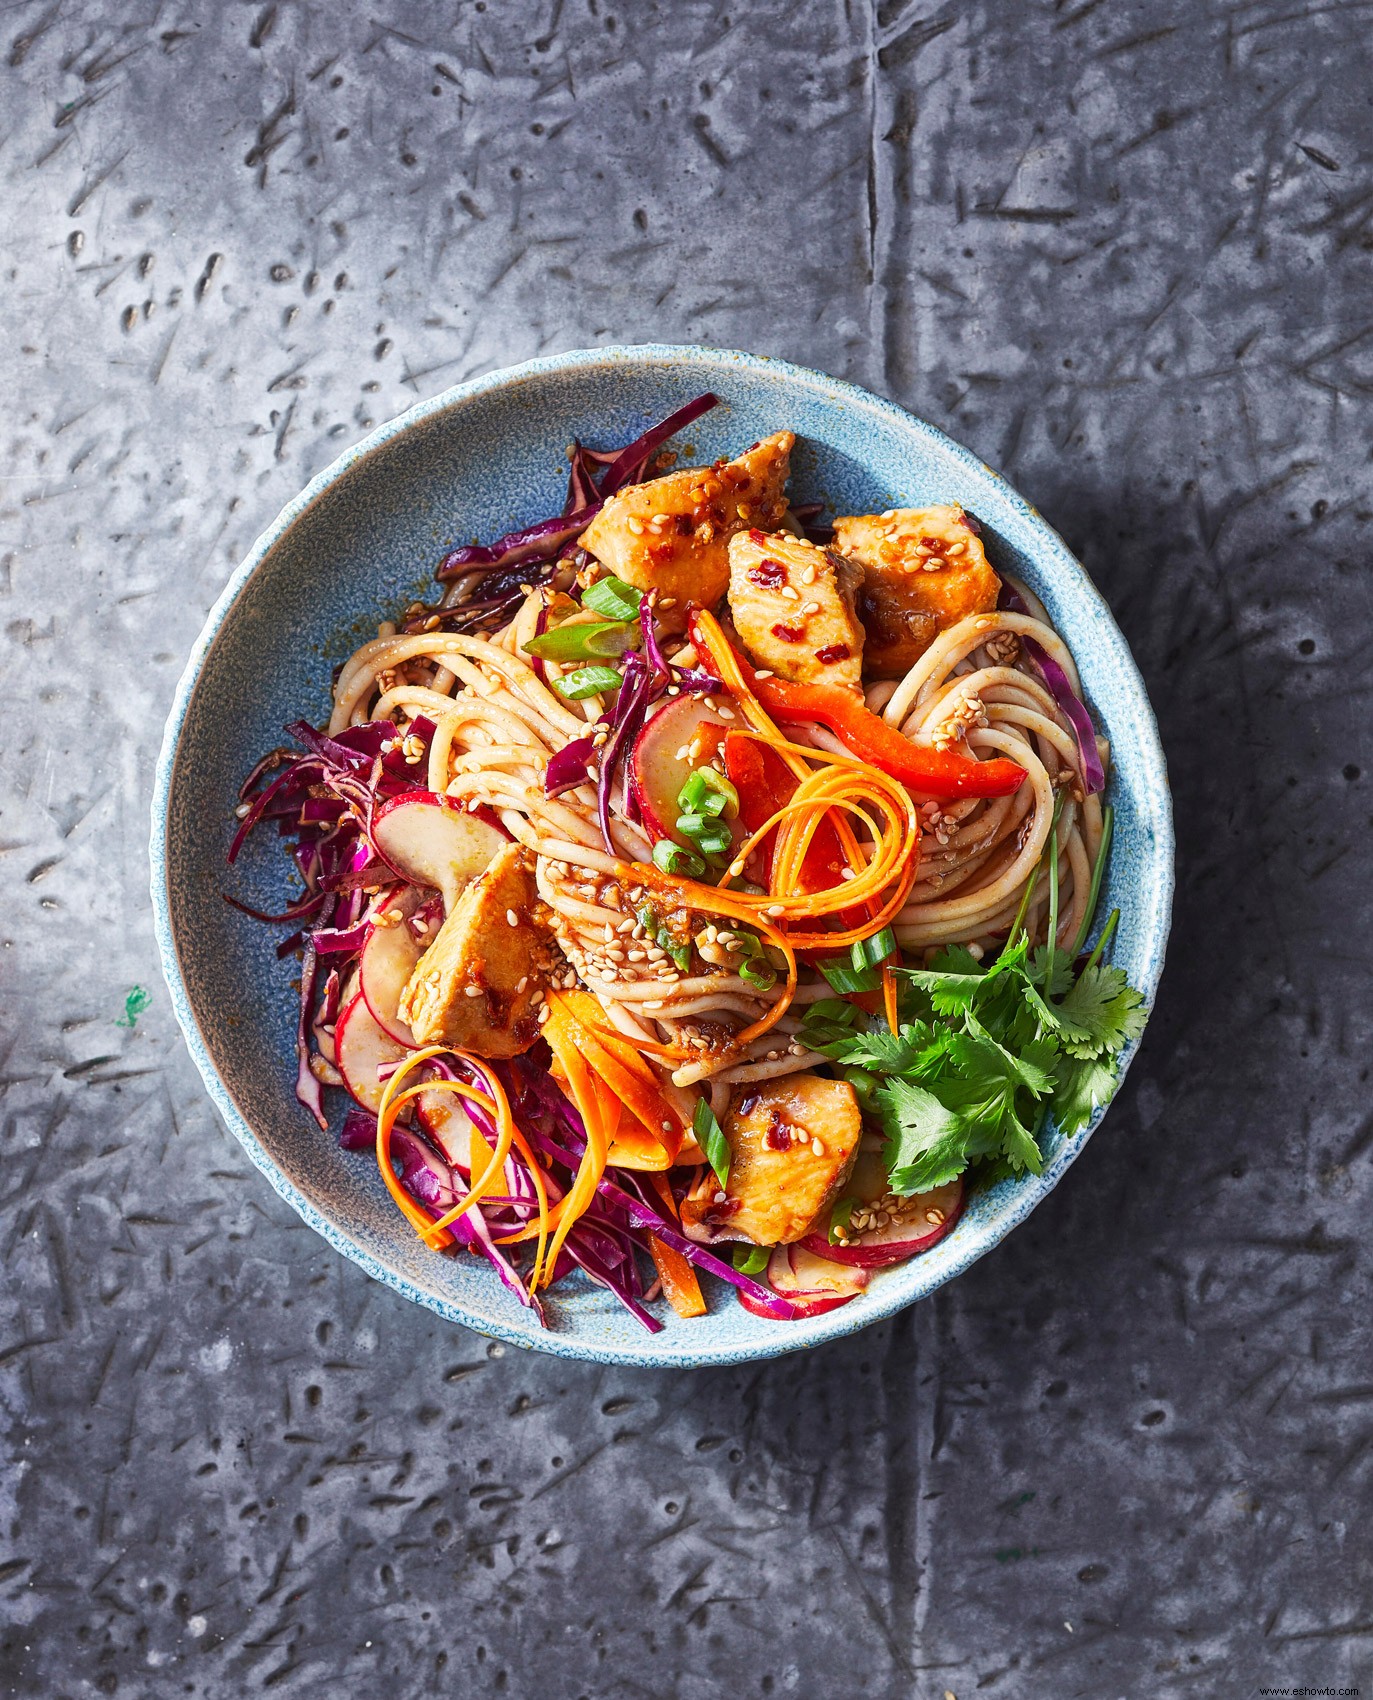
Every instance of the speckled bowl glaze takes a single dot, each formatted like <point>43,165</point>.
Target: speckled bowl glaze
<point>358,543</point>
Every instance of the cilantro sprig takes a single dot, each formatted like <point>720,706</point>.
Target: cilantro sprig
<point>982,1056</point>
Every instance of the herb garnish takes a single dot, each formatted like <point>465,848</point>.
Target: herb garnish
<point>981,1057</point>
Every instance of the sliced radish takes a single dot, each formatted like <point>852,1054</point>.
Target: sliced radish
<point>363,1047</point>
<point>443,1118</point>
<point>429,840</point>
<point>907,1235</point>
<point>814,1284</point>
<point>324,1044</point>
<point>659,767</point>
<point>389,954</point>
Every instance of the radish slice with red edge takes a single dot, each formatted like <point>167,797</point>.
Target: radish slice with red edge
<point>659,769</point>
<point>906,1236</point>
<point>813,1284</point>
<point>389,954</point>
<point>443,1118</point>
<point>430,840</point>
<point>363,1047</point>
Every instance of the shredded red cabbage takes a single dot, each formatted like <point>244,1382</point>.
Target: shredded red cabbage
<point>568,766</point>
<point>631,463</point>
<point>1061,690</point>
<point>308,1089</point>
<point>359,1131</point>
<point>545,540</point>
<point>531,543</point>
<point>296,912</point>
<point>621,1193</point>
<point>625,720</point>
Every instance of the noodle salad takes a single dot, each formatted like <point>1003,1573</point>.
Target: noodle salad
<point>697,887</point>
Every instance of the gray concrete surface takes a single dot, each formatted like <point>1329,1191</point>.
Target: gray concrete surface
<point>1125,251</point>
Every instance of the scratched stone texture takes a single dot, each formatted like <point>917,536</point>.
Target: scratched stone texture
<point>1124,250</point>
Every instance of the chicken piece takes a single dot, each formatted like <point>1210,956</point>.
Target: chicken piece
<point>793,607</point>
<point>480,982</point>
<point>924,569</point>
<point>779,1182</point>
<point>672,534</point>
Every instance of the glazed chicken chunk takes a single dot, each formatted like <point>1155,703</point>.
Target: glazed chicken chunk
<point>672,534</point>
<point>793,607</point>
<point>792,1144</point>
<point>924,569</point>
<point>478,984</point>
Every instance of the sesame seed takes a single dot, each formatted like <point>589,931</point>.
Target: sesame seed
<point>773,909</point>
<point>662,519</point>
<point>684,753</point>
<point>810,607</point>
<point>521,983</point>
<point>512,918</point>
<point>721,1197</point>
<point>655,1003</point>
<point>635,525</point>
<point>473,991</point>
<point>635,956</point>
<point>817,1147</point>
<point>935,1215</point>
<point>808,577</point>
<point>667,1127</point>
<point>244,810</point>
<point>791,593</point>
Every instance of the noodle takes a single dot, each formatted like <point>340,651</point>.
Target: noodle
<point>498,725</point>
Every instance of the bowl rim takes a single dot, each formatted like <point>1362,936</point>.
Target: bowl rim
<point>1056,557</point>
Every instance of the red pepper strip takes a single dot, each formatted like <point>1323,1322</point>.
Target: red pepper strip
<point>764,783</point>
<point>936,773</point>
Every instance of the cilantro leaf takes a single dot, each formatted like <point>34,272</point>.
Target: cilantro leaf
<point>949,994</point>
<point>956,959</point>
<point>1101,1013</point>
<point>981,1056</point>
<point>926,1140</point>
<point>1056,983</point>
<point>913,1050</point>
<point>1081,1087</point>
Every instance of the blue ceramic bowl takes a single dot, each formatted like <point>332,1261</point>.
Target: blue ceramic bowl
<point>359,543</point>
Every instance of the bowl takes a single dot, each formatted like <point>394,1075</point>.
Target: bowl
<point>362,540</point>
